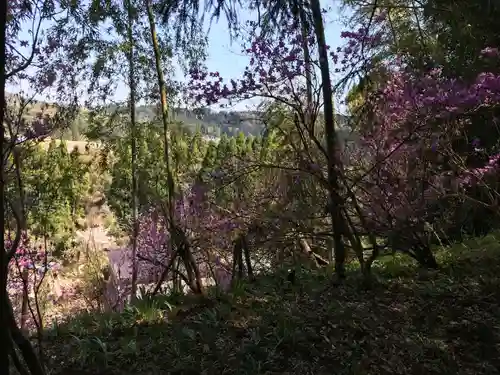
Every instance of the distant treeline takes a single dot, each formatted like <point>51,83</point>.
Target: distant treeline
<point>209,122</point>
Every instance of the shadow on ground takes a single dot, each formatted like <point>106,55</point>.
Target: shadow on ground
<point>411,322</point>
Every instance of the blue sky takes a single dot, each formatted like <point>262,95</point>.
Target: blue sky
<point>225,56</point>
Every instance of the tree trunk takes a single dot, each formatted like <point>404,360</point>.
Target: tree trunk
<point>4,297</point>
<point>24,345</point>
<point>235,263</point>
<point>240,258</point>
<point>176,280</point>
<point>308,67</point>
<point>22,199</point>
<point>25,301</point>
<point>164,107</point>
<point>248,260</point>
<point>188,258</point>
<point>184,250</point>
<point>338,225</point>
<point>133,136</point>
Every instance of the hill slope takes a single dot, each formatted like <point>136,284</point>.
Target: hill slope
<point>412,322</point>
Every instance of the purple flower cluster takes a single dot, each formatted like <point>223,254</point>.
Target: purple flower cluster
<point>417,118</point>
<point>205,226</point>
<point>277,66</point>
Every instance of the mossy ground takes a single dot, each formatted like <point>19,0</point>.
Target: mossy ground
<point>410,322</point>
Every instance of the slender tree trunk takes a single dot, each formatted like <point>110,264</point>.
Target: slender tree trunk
<point>4,297</point>
<point>164,106</point>
<point>9,331</point>
<point>336,203</point>
<point>308,67</point>
<point>237,260</point>
<point>28,354</point>
<point>25,277</point>
<point>133,131</point>
<point>164,116</point>
<point>189,257</point>
<point>248,260</point>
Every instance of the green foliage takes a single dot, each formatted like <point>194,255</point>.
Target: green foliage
<point>193,159</point>
<point>463,29</point>
<point>55,185</point>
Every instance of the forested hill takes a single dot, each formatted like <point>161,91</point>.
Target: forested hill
<point>215,123</point>
<point>209,122</point>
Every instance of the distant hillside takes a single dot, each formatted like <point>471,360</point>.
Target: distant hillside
<point>216,123</point>
<point>209,122</point>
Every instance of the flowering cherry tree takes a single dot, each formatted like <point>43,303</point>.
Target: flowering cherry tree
<point>278,70</point>
<point>285,73</point>
<point>417,118</point>
<point>187,247</point>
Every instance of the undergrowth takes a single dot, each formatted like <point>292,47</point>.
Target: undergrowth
<point>410,322</point>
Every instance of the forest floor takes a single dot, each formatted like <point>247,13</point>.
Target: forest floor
<point>410,322</point>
